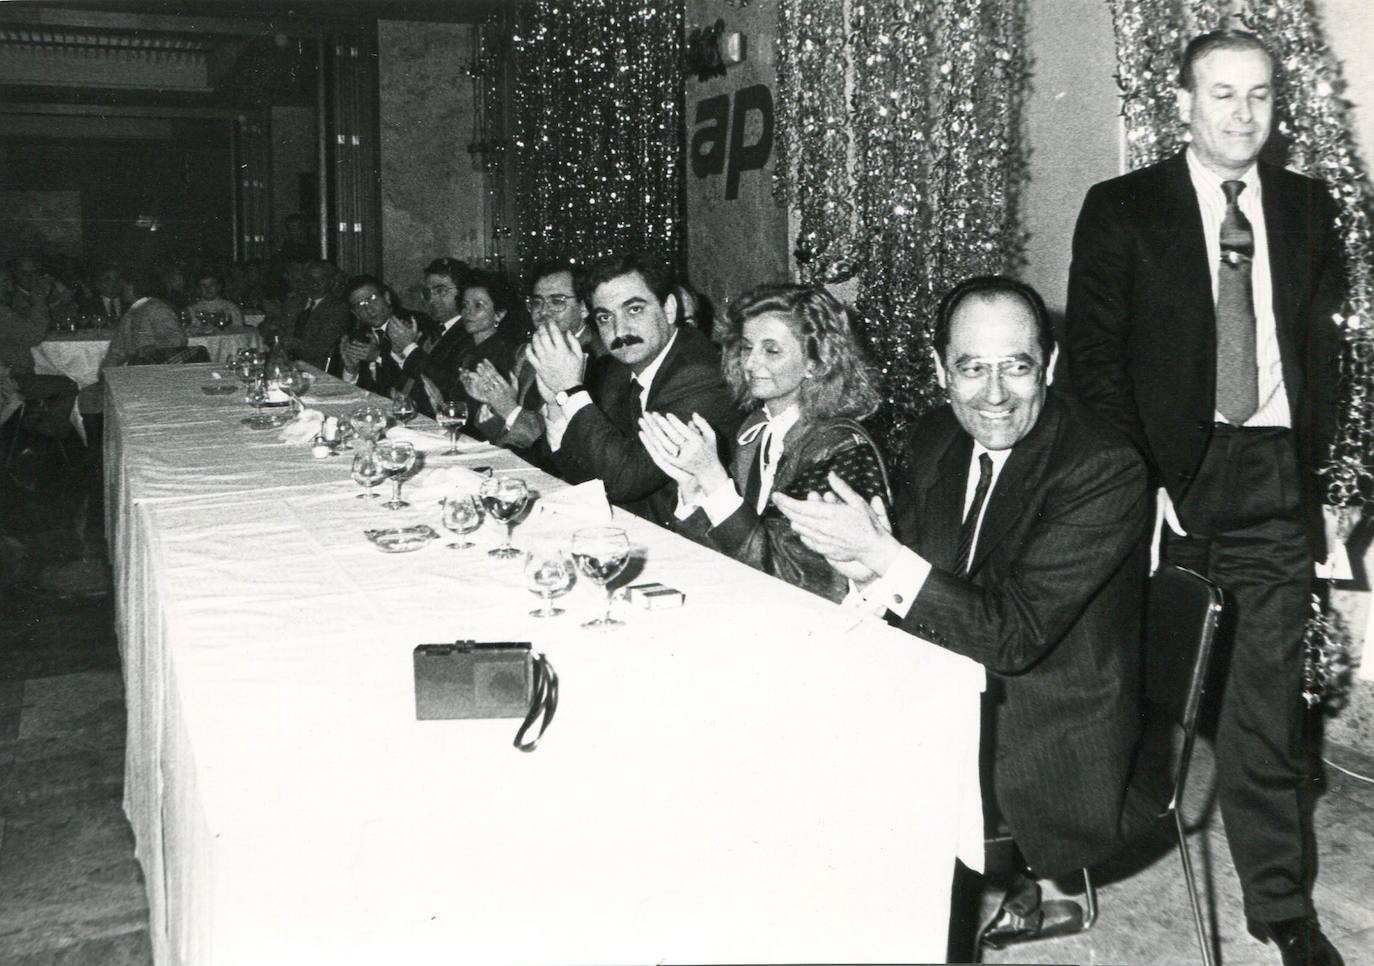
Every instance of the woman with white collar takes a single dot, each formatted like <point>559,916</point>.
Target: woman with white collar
<point>790,351</point>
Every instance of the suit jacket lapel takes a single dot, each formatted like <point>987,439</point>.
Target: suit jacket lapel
<point>1185,262</point>
<point>1024,469</point>
<point>1281,231</point>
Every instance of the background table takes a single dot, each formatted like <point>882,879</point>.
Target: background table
<point>753,777</point>
<point>77,355</point>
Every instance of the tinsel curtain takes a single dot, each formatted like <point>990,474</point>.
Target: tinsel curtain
<point>901,154</point>
<point>597,102</point>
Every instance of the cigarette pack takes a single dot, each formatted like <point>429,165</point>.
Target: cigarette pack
<point>656,596</point>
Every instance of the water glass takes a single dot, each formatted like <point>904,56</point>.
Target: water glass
<point>601,554</point>
<point>462,513</point>
<point>368,471</point>
<point>397,457</point>
<point>549,573</point>
<point>452,417</point>
<point>505,497</point>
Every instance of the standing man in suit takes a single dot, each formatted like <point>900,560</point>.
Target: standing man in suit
<point>1199,322</point>
<point>1022,546</point>
<point>593,429</point>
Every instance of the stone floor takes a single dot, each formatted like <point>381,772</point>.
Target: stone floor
<point>71,891</point>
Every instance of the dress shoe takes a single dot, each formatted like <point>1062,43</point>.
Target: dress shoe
<point>1300,941</point>
<point>1023,917</point>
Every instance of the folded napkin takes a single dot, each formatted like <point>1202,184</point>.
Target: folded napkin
<point>431,441</point>
<point>304,428</point>
<point>433,483</point>
<point>584,503</point>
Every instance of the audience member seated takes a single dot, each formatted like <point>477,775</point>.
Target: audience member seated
<point>211,300</point>
<point>1022,546</point>
<point>364,356</point>
<point>513,405</point>
<point>791,348</point>
<point>313,318</point>
<point>34,293</point>
<point>150,334</point>
<point>175,290</point>
<point>487,303</point>
<point>46,402</point>
<point>19,332</point>
<point>593,429</point>
<point>433,362</point>
<point>108,301</point>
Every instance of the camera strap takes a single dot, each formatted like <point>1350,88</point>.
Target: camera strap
<point>543,702</point>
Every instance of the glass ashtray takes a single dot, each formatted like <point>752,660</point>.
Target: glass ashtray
<point>401,539</point>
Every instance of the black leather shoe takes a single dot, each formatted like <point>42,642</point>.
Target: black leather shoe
<point>1300,941</point>
<point>1023,917</point>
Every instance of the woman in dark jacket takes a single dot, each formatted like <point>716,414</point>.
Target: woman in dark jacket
<point>790,356</point>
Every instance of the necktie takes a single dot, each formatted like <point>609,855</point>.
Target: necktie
<point>636,405</point>
<point>970,525</point>
<point>1237,376</point>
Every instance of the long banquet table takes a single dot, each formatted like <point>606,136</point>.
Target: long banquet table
<point>754,777</point>
<point>77,355</point>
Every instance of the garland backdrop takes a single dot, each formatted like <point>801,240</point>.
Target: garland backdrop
<point>901,153</point>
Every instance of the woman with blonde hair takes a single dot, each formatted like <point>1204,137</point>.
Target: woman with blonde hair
<point>792,359</point>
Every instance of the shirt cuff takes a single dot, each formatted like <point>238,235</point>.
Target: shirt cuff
<point>557,425</point>
<point>721,502</point>
<point>404,354</point>
<point>896,590</point>
<point>510,419</point>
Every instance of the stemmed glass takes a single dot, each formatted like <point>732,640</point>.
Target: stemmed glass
<point>368,422</point>
<point>368,471</point>
<point>504,497</point>
<point>397,457</point>
<point>291,382</point>
<point>601,553</point>
<point>462,514</point>
<point>452,416</point>
<point>549,573</point>
<point>403,410</point>
<point>257,396</point>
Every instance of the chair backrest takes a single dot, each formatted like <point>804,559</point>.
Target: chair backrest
<point>1183,610</point>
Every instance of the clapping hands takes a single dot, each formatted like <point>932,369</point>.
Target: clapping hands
<point>685,452</point>
<point>854,537</point>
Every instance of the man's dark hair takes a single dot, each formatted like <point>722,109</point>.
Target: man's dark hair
<point>1203,44</point>
<point>655,275</point>
<point>454,269</point>
<point>358,281</point>
<point>552,266</point>
<point>988,287</point>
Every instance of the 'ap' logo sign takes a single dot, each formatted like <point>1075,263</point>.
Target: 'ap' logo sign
<point>708,141</point>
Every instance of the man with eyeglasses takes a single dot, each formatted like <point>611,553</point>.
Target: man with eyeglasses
<point>1023,526</point>
<point>513,407</point>
<point>364,356</point>
<point>431,359</point>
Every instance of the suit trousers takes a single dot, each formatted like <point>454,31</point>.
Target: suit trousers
<point>1247,531</point>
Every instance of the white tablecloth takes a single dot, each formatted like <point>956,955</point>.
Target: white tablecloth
<point>77,355</point>
<point>750,778</point>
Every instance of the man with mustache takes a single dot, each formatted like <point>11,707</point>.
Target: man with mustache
<point>592,413</point>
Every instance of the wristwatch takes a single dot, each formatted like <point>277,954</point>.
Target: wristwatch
<point>563,395</point>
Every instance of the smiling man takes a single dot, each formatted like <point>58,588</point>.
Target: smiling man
<point>592,415</point>
<point>1021,546</point>
<point>1199,322</point>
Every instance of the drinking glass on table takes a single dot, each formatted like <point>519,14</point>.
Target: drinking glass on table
<point>601,553</point>
<point>397,457</point>
<point>504,497</point>
<point>291,382</point>
<point>549,572</point>
<point>462,513</point>
<point>403,410</point>
<point>368,471</point>
<point>452,417</point>
<point>368,422</point>
<point>257,397</point>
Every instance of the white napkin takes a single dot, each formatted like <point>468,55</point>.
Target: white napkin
<point>304,428</point>
<point>431,441</point>
<point>585,503</point>
<point>434,483</point>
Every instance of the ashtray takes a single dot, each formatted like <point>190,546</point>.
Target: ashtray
<point>401,539</point>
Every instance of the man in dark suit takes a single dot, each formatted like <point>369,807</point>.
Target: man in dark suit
<point>1199,322</point>
<point>365,357</point>
<point>313,318</point>
<point>433,360</point>
<point>593,429</point>
<point>1022,546</point>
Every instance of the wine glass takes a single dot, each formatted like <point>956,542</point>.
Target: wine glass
<point>368,422</point>
<point>403,410</point>
<point>397,456</point>
<point>462,514</point>
<point>549,572</point>
<point>257,396</point>
<point>368,471</point>
<point>291,383</point>
<point>452,416</point>
<point>504,497</point>
<point>601,553</point>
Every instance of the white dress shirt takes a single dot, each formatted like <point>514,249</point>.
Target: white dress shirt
<point>725,499</point>
<point>1273,398</point>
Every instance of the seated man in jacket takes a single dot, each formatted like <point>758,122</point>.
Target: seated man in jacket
<point>592,414</point>
<point>364,356</point>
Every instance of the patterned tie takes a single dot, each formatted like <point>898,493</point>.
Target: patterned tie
<point>1237,374</point>
<point>970,525</point>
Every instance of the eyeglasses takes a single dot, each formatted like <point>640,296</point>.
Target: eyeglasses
<point>374,298</point>
<point>437,291</point>
<point>555,302</point>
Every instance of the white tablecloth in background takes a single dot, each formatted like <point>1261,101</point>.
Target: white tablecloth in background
<point>77,355</point>
<point>747,779</point>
